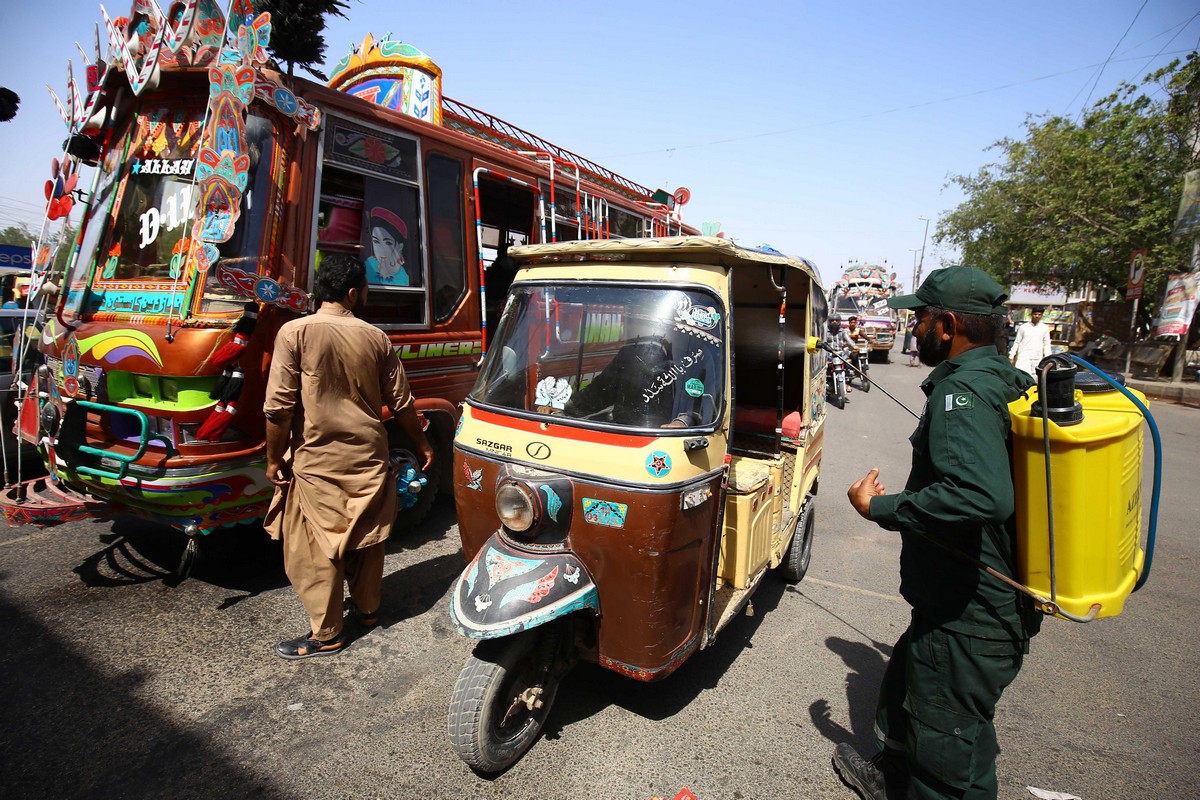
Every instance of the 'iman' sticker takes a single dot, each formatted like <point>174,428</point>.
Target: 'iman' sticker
<point>658,463</point>
<point>604,512</point>
<point>960,401</point>
<point>694,387</point>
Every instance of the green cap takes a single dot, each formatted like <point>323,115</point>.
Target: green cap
<point>966,290</point>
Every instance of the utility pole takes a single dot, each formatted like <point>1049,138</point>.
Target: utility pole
<point>921,266</point>
<point>915,274</point>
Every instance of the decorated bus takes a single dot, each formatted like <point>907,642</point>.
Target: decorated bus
<point>210,189</point>
<point>862,291</point>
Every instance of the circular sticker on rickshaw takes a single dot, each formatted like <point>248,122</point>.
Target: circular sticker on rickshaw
<point>694,387</point>
<point>658,463</point>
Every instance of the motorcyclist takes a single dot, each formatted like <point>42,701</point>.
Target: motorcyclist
<point>858,336</point>
<point>837,338</point>
<point>853,331</point>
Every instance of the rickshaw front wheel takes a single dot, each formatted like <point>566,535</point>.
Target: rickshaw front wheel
<point>799,554</point>
<point>503,696</point>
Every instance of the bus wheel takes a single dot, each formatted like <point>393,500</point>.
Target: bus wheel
<point>409,517</point>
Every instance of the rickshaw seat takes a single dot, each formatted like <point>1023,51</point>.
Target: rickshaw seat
<point>761,419</point>
<point>747,476</point>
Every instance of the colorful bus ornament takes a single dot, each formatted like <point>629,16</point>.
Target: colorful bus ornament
<point>214,192</point>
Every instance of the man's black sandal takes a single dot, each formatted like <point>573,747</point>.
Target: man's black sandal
<point>361,617</point>
<point>307,647</point>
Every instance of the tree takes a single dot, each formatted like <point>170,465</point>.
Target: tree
<point>1071,202</point>
<point>297,31</point>
<point>21,236</point>
<point>17,234</point>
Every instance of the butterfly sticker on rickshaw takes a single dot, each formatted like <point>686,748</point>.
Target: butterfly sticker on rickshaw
<point>552,393</point>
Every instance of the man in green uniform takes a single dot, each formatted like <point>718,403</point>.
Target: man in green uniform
<point>969,632</point>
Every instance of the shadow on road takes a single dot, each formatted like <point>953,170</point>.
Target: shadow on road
<point>77,732</point>
<point>437,525</point>
<point>866,665</point>
<point>135,551</point>
<point>589,689</point>
<point>866,662</point>
<point>413,590</point>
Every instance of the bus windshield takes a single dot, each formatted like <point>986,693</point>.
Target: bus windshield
<point>644,357</point>
<point>138,233</point>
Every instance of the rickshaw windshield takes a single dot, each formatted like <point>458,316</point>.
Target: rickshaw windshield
<point>639,356</point>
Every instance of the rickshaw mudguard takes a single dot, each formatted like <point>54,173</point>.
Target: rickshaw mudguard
<point>505,590</point>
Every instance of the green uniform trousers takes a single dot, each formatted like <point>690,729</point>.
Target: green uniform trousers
<point>937,703</point>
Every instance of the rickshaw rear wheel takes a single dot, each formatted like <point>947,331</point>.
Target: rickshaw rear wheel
<point>489,721</point>
<point>799,554</point>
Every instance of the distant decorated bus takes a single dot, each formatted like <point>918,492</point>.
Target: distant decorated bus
<point>217,188</point>
<point>863,291</point>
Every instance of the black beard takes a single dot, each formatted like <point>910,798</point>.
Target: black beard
<point>931,350</point>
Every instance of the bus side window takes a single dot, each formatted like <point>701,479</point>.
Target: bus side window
<point>447,250</point>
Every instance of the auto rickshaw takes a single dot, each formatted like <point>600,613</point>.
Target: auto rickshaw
<point>642,445</point>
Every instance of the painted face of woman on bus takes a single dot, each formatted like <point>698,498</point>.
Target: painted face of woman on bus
<point>388,250</point>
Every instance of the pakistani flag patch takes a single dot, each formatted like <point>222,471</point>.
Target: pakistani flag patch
<point>960,401</point>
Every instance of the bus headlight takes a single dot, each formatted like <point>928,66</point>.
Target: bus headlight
<point>515,507</point>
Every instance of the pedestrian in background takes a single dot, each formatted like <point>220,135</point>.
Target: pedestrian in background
<point>969,632</point>
<point>1032,343</point>
<point>327,454</point>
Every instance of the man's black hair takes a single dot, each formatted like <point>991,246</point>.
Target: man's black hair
<point>337,275</point>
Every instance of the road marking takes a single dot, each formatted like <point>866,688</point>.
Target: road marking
<point>894,598</point>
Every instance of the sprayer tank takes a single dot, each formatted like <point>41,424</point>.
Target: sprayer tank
<point>1096,470</point>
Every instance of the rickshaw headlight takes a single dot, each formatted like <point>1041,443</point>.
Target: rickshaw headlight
<point>515,507</point>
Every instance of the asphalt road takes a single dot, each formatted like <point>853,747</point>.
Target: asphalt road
<point>121,683</point>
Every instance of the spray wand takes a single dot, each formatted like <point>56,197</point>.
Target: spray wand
<point>814,344</point>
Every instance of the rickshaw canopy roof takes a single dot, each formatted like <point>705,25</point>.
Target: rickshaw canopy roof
<point>698,249</point>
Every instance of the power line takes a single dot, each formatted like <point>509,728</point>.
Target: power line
<point>1181,26</point>
<point>1111,53</point>
<point>871,115</point>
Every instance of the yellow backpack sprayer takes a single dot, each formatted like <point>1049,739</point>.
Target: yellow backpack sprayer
<point>1077,474</point>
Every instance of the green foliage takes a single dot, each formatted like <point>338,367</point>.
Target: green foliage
<point>1071,202</point>
<point>21,236</point>
<point>16,234</point>
<point>297,31</point>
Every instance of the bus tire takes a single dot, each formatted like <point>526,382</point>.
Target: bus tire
<point>409,518</point>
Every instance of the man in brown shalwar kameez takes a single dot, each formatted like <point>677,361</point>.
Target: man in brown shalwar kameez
<point>327,454</point>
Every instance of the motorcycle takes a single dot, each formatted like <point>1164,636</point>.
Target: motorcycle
<point>618,500</point>
<point>835,380</point>
<point>862,355</point>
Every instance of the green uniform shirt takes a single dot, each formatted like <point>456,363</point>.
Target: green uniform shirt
<point>960,492</point>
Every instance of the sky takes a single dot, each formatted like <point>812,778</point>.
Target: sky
<point>826,130</point>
